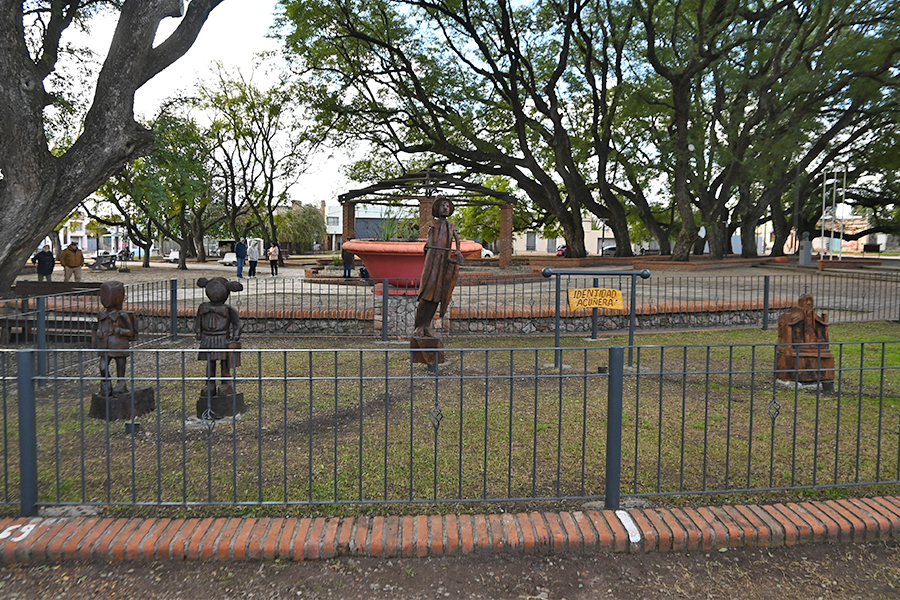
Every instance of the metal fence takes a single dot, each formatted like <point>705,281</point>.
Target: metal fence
<point>357,427</point>
<point>286,306</point>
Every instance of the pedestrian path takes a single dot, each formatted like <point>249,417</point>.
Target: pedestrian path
<point>854,520</point>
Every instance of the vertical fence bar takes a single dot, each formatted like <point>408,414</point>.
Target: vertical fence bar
<point>557,356</point>
<point>28,467</point>
<point>595,314</point>
<point>632,321</point>
<point>40,343</point>
<point>384,310</point>
<point>765,324</point>
<point>173,308</point>
<point>614,427</point>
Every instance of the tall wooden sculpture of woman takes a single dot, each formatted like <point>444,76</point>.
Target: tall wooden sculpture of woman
<point>438,279</point>
<point>115,330</point>
<point>441,268</point>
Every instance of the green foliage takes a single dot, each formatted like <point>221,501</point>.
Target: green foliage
<point>261,142</point>
<point>95,229</point>
<point>303,225</point>
<point>395,224</point>
<point>623,110</point>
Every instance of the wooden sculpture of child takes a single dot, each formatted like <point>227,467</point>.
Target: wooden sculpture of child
<point>218,328</point>
<point>115,330</point>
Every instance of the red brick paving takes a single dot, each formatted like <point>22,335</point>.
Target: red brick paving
<point>529,535</point>
<point>452,534</point>
<point>297,547</point>
<point>661,530</point>
<point>133,549</point>
<point>208,550</point>
<point>437,535</point>
<point>254,544</point>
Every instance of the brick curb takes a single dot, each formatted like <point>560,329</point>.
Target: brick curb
<point>636,531</point>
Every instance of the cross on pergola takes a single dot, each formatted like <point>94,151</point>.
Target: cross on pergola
<point>423,188</point>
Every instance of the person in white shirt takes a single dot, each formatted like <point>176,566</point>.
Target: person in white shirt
<point>252,258</point>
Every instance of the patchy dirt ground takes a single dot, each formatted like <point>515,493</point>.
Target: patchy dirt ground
<point>829,572</point>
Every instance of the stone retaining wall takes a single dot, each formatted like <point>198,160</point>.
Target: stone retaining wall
<point>538,320</point>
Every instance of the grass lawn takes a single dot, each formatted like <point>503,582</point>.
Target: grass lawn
<point>332,429</point>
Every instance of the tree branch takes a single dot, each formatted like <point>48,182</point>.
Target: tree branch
<point>177,44</point>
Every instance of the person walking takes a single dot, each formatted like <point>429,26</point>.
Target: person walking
<point>272,254</point>
<point>240,251</point>
<point>45,262</point>
<point>72,259</point>
<point>252,258</point>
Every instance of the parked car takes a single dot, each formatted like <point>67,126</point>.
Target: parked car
<point>485,253</point>
<point>562,250</point>
<point>172,257</point>
<point>609,251</point>
<point>230,259</point>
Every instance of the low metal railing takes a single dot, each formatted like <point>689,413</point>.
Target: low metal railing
<point>370,427</point>
<point>286,306</point>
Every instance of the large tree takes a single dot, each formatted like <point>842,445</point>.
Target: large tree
<point>481,85</point>
<point>261,144</point>
<point>695,112</point>
<point>39,187</point>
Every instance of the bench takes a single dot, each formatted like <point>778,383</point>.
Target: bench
<point>104,261</point>
<point>23,329</point>
<point>876,248</point>
<point>48,288</point>
<point>20,322</point>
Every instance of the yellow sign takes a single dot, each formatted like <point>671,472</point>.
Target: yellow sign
<point>596,298</point>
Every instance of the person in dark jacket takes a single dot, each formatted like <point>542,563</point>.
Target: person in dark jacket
<point>347,259</point>
<point>45,262</point>
<point>240,251</point>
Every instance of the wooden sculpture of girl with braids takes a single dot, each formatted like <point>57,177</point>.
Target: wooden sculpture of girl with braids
<point>218,327</point>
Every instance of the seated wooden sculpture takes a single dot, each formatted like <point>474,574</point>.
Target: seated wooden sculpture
<point>803,352</point>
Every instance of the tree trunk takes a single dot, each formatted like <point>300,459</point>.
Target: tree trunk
<point>38,189</point>
<point>689,229</point>
<point>781,228</point>
<point>717,236</point>
<point>198,243</point>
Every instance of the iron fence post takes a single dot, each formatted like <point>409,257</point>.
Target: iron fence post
<point>614,427</point>
<point>28,469</point>
<point>595,314</point>
<point>40,343</point>
<point>173,308</point>
<point>384,310</point>
<point>766,304</point>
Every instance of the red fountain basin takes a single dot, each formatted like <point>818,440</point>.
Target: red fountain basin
<point>400,262</point>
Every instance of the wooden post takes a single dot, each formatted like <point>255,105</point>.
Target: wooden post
<point>349,221</point>
<point>506,235</point>
<point>425,216</point>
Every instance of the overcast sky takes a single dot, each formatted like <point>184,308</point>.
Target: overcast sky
<point>234,34</point>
